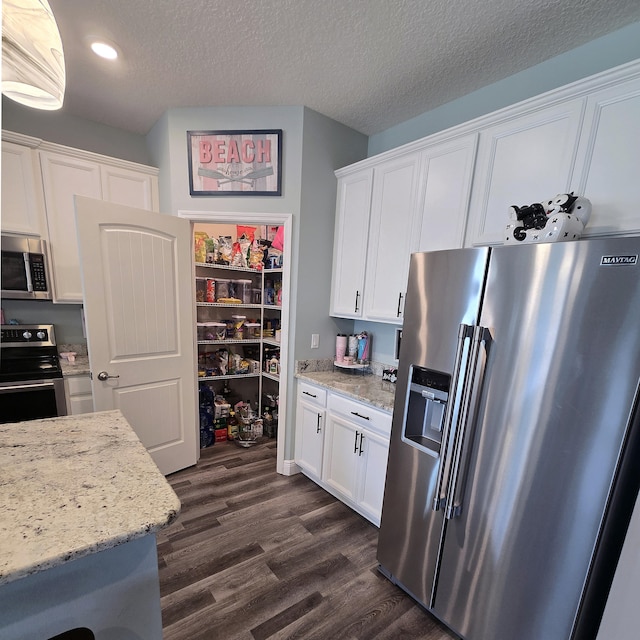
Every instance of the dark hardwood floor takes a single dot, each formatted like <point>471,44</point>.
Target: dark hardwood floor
<point>255,555</point>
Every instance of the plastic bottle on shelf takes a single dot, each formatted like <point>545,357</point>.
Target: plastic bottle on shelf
<point>232,426</point>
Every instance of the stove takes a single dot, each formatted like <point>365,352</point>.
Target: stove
<point>31,383</point>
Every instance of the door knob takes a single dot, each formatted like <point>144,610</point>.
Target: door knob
<point>103,375</point>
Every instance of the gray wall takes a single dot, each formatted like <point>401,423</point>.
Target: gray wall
<point>598,55</point>
<point>328,146</point>
<point>313,148</point>
<point>71,131</point>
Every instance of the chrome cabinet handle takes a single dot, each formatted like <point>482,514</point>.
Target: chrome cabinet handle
<point>355,445</point>
<point>465,435</point>
<point>361,441</point>
<point>465,332</point>
<point>103,375</point>
<point>306,393</point>
<point>357,296</point>
<point>318,424</point>
<point>355,413</point>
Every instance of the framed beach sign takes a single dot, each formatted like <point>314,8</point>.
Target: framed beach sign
<point>235,163</point>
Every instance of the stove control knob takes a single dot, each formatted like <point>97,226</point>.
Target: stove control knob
<point>41,335</point>
<point>27,335</point>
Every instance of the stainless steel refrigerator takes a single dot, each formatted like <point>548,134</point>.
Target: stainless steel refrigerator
<point>515,446</point>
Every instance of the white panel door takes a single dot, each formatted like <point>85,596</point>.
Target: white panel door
<point>350,244</point>
<point>609,158</point>
<point>128,187</point>
<point>524,160</point>
<point>63,177</point>
<point>139,308</point>
<point>393,234</point>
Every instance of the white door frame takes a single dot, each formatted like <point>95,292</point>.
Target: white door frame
<point>261,219</point>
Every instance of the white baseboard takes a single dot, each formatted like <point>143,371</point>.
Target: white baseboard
<point>290,468</point>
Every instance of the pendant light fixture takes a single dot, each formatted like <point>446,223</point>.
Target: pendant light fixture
<point>33,71</point>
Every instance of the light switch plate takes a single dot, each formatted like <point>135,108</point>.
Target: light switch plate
<point>315,340</point>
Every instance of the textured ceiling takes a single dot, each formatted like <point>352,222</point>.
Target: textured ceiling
<point>369,64</point>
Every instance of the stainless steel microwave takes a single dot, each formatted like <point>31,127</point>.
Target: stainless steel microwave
<point>24,271</point>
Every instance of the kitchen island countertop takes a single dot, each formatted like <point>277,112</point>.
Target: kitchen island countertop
<point>74,486</point>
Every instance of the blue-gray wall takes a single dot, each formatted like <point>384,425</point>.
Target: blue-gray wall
<point>71,131</point>
<point>314,146</point>
<point>598,55</point>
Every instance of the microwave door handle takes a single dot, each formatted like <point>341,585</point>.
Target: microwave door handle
<point>459,470</point>
<point>27,270</point>
<point>439,500</point>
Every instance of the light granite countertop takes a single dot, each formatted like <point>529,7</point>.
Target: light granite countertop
<point>78,368</point>
<point>367,388</point>
<point>74,486</point>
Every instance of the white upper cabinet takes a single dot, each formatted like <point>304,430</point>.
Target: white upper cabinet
<point>350,243</point>
<point>608,161</point>
<point>525,159</point>
<point>67,173</point>
<point>394,230</point>
<point>448,171</point>
<point>125,186</point>
<point>22,207</point>
<point>63,177</point>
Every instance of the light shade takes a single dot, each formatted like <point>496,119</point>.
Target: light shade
<point>32,59</point>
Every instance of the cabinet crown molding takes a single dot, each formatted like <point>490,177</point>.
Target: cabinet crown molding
<point>44,145</point>
<point>578,89</point>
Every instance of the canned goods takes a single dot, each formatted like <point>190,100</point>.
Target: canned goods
<point>211,290</point>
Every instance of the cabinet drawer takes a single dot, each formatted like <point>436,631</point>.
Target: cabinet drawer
<point>361,413</point>
<point>79,385</point>
<point>312,394</point>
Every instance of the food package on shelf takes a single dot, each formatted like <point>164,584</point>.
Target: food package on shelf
<point>200,249</point>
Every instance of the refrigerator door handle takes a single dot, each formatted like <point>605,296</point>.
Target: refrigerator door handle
<point>465,331</point>
<point>456,485</point>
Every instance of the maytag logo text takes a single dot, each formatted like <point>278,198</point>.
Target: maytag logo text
<point>614,260</point>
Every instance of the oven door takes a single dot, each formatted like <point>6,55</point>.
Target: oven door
<point>31,400</point>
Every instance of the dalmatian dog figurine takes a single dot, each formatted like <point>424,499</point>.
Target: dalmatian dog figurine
<point>565,217</point>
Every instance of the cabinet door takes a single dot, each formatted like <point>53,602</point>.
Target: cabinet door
<point>79,395</point>
<point>447,169</point>
<point>524,160</point>
<point>373,470</point>
<point>64,177</point>
<point>131,188</point>
<point>350,244</point>
<point>608,160</point>
<point>393,234</point>
<point>310,421</point>
<point>339,466</point>
<point>21,200</point>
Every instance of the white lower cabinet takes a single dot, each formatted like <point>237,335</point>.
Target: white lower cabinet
<point>310,425</point>
<point>78,394</point>
<point>343,445</point>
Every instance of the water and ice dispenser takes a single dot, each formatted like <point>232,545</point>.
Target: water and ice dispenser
<point>425,408</point>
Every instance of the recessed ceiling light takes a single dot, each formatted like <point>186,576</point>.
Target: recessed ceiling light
<point>104,50</point>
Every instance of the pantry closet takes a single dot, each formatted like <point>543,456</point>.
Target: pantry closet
<point>241,300</point>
